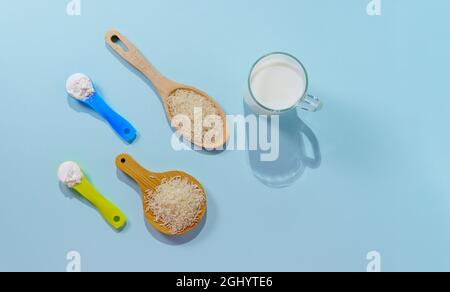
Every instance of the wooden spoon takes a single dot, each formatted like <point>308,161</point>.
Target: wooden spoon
<point>148,180</point>
<point>165,87</point>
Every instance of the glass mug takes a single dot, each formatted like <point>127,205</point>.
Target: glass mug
<point>278,83</point>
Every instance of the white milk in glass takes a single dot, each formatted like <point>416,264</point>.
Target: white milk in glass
<point>277,83</point>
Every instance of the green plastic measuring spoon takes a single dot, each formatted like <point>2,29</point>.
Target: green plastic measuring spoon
<point>72,176</point>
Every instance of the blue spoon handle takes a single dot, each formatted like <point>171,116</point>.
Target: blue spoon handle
<point>117,122</point>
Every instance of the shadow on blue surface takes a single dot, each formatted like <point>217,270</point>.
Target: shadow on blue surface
<point>293,157</point>
<point>169,240</point>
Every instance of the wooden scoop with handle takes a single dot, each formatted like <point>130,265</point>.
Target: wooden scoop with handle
<point>165,87</point>
<point>149,181</point>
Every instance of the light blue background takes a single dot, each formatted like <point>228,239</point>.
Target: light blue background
<point>382,183</point>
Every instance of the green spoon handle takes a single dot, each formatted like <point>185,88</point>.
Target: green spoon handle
<point>109,211</point>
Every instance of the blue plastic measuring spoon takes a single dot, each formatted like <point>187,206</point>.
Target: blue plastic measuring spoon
<point>80,87</point>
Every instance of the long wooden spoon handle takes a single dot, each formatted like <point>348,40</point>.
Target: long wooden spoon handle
<point>142,176</point>
<point>125,49</point>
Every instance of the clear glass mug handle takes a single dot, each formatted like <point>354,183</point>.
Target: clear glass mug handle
<point>310,103</point>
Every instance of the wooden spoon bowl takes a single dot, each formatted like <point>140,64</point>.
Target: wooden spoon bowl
<point>165,87</point>
<point>149,181</point>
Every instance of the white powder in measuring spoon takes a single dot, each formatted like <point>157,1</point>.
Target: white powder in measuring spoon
<point>70,174</point>
<point>79,86</point>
